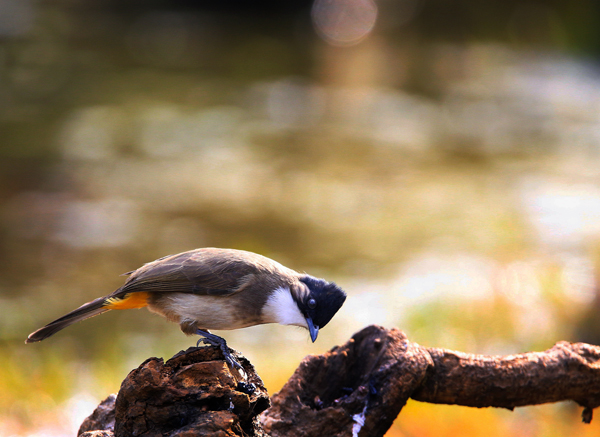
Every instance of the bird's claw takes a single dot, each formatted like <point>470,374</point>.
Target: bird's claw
<point>213,340</point>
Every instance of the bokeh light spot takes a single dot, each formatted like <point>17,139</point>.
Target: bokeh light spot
<point>344,22</point>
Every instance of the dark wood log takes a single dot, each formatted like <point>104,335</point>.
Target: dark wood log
<point>356,389</point>
<point>363,385</point>
<point>567,371</point>
<point>194,393</point>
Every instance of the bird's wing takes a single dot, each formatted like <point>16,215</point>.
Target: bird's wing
<point>202,272</point>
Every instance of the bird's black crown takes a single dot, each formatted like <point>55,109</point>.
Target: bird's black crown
<point>328,296</point>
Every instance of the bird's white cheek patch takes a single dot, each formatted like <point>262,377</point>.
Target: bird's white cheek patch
<point>281,308</point>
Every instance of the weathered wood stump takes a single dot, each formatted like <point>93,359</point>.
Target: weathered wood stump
<point>356,389</point>
<point>192,394</point>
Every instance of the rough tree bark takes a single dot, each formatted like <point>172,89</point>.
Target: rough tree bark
<point>356,389</point>
<point>192,394</point>
<point>360,387</point>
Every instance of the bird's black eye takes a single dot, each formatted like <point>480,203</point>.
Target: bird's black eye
<point>312,303</point>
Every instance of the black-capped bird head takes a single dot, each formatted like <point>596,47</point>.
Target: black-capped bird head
<point>214,288</point>
<point>320,304</point>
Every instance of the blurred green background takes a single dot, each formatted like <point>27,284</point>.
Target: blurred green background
<point>438,160</point>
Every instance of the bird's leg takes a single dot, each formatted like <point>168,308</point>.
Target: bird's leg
<point>214,340</point>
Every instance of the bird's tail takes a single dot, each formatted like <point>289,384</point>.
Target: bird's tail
<point>85,311</point>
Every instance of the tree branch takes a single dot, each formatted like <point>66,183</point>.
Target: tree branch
<point>356,389</point>
<point>567,371</point>
<point>364,384</point>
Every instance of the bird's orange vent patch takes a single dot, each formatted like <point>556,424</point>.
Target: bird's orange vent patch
<point>129,301</point>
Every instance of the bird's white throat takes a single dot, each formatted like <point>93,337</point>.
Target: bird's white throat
<point>282,308</point>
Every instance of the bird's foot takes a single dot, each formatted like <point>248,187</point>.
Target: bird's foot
<point>215,340</point>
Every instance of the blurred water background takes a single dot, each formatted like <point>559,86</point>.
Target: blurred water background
<point>439,160</point>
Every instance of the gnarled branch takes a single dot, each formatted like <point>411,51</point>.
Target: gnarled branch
<point>356,389</point>
<point>364,384</point>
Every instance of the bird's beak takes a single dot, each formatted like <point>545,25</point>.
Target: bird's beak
<point>314,330</point>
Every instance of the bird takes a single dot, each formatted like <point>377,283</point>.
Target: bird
<point>213,288</point>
